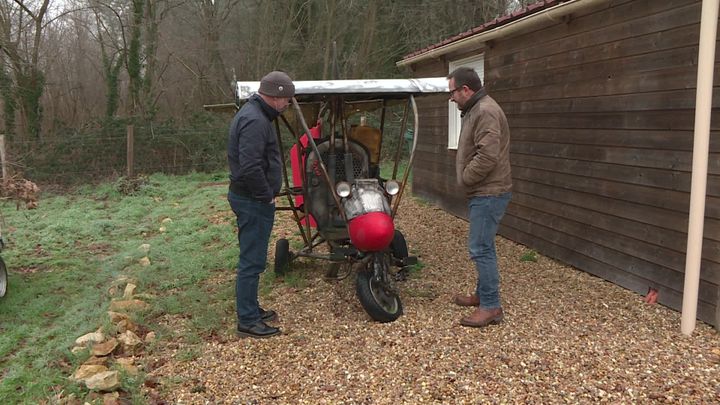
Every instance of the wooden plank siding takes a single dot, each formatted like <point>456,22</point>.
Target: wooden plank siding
<point>601,110</point>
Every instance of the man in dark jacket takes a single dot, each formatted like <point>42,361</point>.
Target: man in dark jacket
<point>255,179</point>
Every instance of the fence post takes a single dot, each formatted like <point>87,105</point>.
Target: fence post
<point>130,151</point>
<point>3,158</point>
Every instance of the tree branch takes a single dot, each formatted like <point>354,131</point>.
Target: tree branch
<point>30,13</point>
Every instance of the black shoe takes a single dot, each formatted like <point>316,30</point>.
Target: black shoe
<point>268,316</point>
<point>258,330</point>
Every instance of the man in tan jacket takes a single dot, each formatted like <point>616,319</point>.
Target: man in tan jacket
<point>483,171</point>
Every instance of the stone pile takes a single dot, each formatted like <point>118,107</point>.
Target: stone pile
<point>111,355</point>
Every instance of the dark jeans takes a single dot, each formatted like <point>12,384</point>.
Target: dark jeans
<point>485,214</point>
<point>255,222</point>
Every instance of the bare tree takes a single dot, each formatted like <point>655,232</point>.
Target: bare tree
<point>211,72</point>
<point>166,58</point>
<point>128,35</point>
<point>22,34</point>
<point>74,88</point>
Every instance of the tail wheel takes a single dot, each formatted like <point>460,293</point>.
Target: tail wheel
<point>282,257</point>
<point>3,278</point>
<point>375,293</point>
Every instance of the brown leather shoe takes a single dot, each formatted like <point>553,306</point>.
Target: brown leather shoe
<point>483,317</point>
<point>467,300</point>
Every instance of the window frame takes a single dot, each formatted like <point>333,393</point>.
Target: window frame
<point>476,62</point>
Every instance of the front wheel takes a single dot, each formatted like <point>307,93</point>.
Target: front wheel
<point>3,278</point>
<point>377,297</point>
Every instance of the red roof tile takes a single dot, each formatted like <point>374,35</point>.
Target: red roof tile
<point>497,22</point>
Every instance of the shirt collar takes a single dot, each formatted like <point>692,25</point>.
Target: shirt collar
<point>472,100</point>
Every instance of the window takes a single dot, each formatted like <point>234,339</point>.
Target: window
<point>477,63</point>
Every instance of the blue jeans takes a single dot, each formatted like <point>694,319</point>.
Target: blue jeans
<point>255,222</point>
<point>485,214</point>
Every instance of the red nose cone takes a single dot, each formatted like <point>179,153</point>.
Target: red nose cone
<point>371,232</point>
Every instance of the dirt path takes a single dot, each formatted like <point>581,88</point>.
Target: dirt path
<point>567,337</point>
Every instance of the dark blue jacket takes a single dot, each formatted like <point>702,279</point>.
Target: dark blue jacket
<point>253,152</point>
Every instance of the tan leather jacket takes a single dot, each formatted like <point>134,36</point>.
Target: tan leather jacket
<point>483,155</point>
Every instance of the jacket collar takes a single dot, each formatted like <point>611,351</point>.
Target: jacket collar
<point>269,112</point>
<point>473,100</point>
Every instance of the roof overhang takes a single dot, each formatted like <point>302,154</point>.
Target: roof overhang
<point>555,13</point>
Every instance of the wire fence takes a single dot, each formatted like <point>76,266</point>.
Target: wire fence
<point>90,156</point>
<point>76,158</point>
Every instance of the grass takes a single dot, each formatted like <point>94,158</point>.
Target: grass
<point>68,258</point>
<point>529,256</point>
<point>64,257</point>
<point>386,170</point>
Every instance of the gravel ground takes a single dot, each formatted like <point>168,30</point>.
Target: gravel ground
<point>568,337</point>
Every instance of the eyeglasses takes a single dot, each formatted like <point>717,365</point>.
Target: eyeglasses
<point>454,90</point>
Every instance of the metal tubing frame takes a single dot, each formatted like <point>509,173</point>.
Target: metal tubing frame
<point>305,232</point>
<point>306,217</point>
<point>396,202</point>
<point>382,128</point>
<point>349,174</point>
<point>285,177</point>
<point>401,140</point>
<point>324,171</point>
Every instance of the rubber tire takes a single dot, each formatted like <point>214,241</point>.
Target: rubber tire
<point>3,278</point>
<point>282,257</point>
<point>371,305</point>
<point>399,246</point>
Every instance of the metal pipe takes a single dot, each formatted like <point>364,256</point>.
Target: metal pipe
<point>333,117</point>
<point>298,220</point>
<point>296,106</point>
<point>382,127</point>
<point>703,107</point>
<point>401,141</point>
<point>410,161</point>
<point>314,256</point>
<point>347,156</point>
<point>282,160</point>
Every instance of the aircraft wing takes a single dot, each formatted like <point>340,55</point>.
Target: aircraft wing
<point>308,90</point>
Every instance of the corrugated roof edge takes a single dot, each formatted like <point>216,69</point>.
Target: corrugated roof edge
<point>497,22</point>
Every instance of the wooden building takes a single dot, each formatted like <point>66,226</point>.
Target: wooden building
<point>600,96</point>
